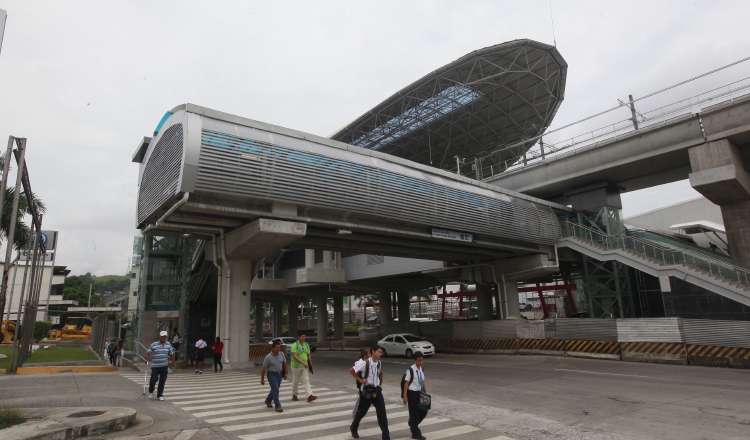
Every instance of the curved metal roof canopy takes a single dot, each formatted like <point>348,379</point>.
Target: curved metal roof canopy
<point>496,96</point>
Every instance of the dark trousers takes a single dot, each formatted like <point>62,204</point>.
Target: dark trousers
<point>416,415</point>
<point>379,404</point>
<point>217,362</point>
<point>274,379</point>
<point>160,374</point>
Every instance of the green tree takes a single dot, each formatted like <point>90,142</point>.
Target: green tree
<point>75,289</point>
<point>41,330</point>
<point>22,231</point>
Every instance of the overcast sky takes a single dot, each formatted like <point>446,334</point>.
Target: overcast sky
<point>84,81</point>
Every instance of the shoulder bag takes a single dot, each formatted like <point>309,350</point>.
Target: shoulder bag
<point>425,400</point>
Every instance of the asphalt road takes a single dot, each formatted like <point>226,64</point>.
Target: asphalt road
<point>538,397</point>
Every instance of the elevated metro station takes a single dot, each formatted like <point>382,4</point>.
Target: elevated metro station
<point>237,214</point>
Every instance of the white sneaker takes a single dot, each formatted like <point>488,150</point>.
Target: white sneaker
<point>150,395</point>
<point>161,398</point>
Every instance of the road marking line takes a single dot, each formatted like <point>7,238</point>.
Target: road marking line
<point>375,430</point>
<point>221,405</point>
<point>200,397</point>
<point>604,374</point>
<point>313,428</point>
<point>502,437</point>
<point>450,432</point>
<point>297,418</point>
<point>265,412</point>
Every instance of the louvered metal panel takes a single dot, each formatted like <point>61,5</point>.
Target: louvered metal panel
<point>161,173</point>
<point>351,182</point>
<point>650,330</point>
<point>526,329</point>
<point>723,333</point>
<point>586,329</point>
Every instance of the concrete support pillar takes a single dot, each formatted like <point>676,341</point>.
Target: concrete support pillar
<point>338,318</point>
<point>309,258</point>
<point>484,302</point>
<point>719,174</point>
<point>259,317</point>
<point>385,307</point>
<point>235,320</point>
<point>509,300</point>
<point>293,317</point>
<point>278,318</point>
<point>322,306</point>
<point>403,307</point>
<point>327,259</point>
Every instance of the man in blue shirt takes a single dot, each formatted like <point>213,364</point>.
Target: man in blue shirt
<point>161,352</point>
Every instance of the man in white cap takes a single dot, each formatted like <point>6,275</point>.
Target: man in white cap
<point>161,351</point>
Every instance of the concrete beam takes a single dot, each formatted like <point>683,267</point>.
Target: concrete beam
<point>293,317</point>
<point>268,285</point>
<point>718,172</point>
<point>257,239</point>
<point>526,267</point>
<point>321,276</point>
<point>322,318</point>
<point>386,317</point>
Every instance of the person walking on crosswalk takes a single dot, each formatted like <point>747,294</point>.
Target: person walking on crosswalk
<point>364,354</point>
<point>415,385</point>
<point>161,352</point>
<point>371,392</point>
<point>200,355</point>
<point>275,366</point>
<point>301,363</point>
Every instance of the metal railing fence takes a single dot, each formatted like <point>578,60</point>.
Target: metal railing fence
<point>661,254</point>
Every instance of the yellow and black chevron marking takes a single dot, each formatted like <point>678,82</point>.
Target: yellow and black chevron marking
<point>259,350</point>
<point>716,351</point>
<point>599,347</point>
<point>542,344</point>
<point>670,348</point>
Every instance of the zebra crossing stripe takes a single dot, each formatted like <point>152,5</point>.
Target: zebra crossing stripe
<point>297,418</point>
<point>372,431</point>
<point>444,433</point>
<point>224,396</point>
<point>502,437</point>
<point>312,428</point>
<point>216,390</point>
<point>223,405</point>
<point>264,412</point>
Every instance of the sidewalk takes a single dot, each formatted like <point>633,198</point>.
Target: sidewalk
<point>155,420</point>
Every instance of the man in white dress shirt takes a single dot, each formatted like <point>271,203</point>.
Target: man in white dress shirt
<point>371,393</point>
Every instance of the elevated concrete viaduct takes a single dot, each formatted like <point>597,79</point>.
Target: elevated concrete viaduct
<point>711,148</point>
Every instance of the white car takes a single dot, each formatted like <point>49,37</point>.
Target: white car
<point>405,344</point>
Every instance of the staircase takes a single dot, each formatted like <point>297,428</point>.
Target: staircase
<point>712,274</point>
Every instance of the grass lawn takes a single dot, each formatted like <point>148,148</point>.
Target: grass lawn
<point>53,354</point>
<point>10,417</point>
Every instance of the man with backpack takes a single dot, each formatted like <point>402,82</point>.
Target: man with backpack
<point>371,392</point>
<point>364,354</point>
<point>411,387</point>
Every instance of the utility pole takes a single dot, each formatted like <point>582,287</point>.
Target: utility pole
<point>88,314</point>
<point>632,112</point>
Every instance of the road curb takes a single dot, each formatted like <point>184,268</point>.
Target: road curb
<point>70,423</point>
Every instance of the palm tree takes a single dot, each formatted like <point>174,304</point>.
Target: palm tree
<point>22,231</point>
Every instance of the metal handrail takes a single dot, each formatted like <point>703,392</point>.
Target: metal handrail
<point>659,253</point>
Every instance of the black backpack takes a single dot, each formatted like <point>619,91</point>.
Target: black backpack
<point>403,379</point>
<point>367,370</point>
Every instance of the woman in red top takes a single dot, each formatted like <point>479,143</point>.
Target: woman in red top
<point>218,347</point>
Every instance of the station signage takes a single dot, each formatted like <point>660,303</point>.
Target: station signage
<point>454,235</point>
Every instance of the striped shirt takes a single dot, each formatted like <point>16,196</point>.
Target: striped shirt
<point>160,354</point>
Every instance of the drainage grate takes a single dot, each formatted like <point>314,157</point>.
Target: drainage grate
<point>86,414</point>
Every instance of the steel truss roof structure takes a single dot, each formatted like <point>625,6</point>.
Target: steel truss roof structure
<point>496,96</point>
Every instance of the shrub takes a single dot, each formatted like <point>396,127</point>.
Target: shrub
<point>41,330</point>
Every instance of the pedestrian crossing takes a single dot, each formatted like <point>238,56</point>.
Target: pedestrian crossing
<point>235,402</point>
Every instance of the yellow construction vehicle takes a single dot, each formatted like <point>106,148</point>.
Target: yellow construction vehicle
<point>7,330</point>
<point>75,327</point>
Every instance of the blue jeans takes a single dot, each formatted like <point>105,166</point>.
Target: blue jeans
<point>274,379</point>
